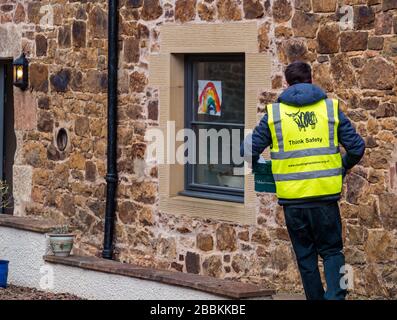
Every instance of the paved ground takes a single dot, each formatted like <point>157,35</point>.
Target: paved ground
<point>21,293</point>
<point>286,296</point>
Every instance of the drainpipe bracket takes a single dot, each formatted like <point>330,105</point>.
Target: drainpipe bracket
<point>111,178</point>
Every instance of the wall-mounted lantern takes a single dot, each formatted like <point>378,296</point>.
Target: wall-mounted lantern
<point>20,66</point>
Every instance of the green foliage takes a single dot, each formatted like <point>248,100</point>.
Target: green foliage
<point>5,197</point>
<point>62,229</point>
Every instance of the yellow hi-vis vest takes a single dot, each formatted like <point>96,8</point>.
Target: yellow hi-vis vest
<point>306,161</point>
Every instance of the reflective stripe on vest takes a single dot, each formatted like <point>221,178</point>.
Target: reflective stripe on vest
<point>306,160</point>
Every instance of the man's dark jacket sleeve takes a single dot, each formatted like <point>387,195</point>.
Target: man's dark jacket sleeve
<point>261,139</point>
<point>351,141</point>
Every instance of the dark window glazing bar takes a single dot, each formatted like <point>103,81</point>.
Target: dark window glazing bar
<point>217,124</point>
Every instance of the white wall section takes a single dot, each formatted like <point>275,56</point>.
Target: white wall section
<point>25,251</point>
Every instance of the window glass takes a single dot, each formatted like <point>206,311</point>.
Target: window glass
<point>215,93</point>
<point>232,78</point>
<point>219,166</point>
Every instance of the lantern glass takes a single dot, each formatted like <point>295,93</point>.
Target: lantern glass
<point>18,73</point>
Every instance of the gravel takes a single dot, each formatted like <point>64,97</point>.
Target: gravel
<point>21,293</point>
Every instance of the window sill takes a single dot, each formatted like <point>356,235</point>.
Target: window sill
<point>212,196</point>
<point>205,202</point>
<point>208,209</point>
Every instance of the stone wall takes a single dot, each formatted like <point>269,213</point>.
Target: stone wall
<point>66,44</point>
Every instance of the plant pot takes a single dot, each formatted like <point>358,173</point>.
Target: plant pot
<point>3,273</point>
<point>61,244</point>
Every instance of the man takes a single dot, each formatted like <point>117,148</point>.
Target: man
<point>304,129</point>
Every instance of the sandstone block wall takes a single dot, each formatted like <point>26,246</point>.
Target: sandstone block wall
<point>67,47</point>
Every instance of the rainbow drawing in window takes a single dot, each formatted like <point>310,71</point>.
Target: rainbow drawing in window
<point>210,97</point>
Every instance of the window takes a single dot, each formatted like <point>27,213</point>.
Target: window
<point>214,111</point>
<point>167,74</point>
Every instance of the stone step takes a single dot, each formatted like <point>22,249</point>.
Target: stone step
<point>226,288</point>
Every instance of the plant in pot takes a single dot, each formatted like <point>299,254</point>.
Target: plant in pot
<point>5,200</point>
<point>61,241</point>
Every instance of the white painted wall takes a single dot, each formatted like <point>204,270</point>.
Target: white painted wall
<point>98,285</point>
<point>25,249</point>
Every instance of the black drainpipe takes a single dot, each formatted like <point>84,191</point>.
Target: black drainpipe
<point>111,176</point>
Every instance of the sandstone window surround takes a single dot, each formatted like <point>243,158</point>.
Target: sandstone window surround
<point>166,73</point>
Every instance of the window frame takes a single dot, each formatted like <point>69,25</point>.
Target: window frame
<point>192,189</point>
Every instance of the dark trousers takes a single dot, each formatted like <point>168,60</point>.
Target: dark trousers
<point>318,232</point>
